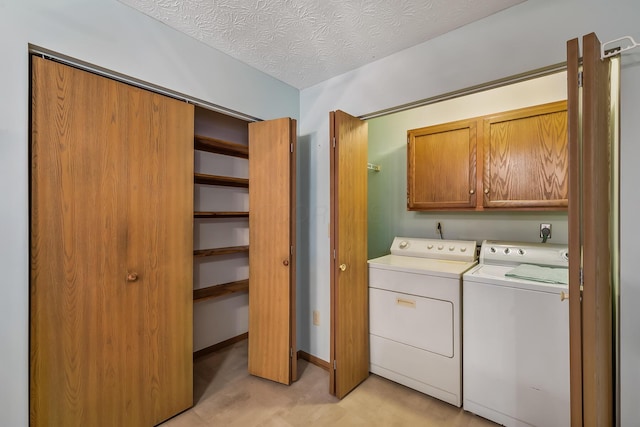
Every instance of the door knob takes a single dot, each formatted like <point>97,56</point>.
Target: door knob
<point>343,267</point>
<point>132,277</point>
<point>285,262</point>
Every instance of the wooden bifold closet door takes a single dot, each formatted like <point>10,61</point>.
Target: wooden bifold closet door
<point>272,261</point>
<point>111,251</point>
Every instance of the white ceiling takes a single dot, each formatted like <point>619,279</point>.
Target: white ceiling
<point>304,42</point>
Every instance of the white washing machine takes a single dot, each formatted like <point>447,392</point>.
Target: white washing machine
<point>414,314</point>
<point>516,335</point>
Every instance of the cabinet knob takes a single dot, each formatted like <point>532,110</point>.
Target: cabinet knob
<point>486,191</point>
<point>564,295</point>
<point>343,267</point>
<point>285,262</point>
<point>132,277</point>
<point>472,191</point>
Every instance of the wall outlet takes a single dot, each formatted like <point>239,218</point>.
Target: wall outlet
<point>316,317</point>
<point>544,227</point>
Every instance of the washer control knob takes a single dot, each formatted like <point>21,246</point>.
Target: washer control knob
<point>451,248</point>
<point>440,247</point>
<point>507,251</point>
<point>403,244</point>
<point>429,246</point>
<point>520,251</point>
<point>463,249</point>
<point>492,250</point>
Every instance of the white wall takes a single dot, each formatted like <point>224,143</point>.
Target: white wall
<point>525,37</point>
<point>113,36</point>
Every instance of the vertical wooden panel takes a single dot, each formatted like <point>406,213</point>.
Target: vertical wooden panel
<point>160,250</point>
<point>596,297</point>
<point>526,157</point>
<point>441,166</point>
<point>105,351</point>
<point>271,269</point>
<point>350,298</point>
<point>575,229</point>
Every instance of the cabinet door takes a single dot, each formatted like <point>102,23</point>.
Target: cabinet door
<point>441,166</point>
<point>272,347</point>
<point>111,251</point>
<point>526,158</point>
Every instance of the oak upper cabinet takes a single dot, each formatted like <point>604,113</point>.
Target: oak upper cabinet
<point>515,160</point>
<point>441,165</point>
<point>526,158</point>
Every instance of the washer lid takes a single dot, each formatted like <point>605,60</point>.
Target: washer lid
<point>438,267</point>
<point>495,275</point>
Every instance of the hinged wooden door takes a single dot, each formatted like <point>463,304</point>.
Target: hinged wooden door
<point>272,204</point>
<point>590,302</point>
<point>111,251</point>
<point>349,350</point>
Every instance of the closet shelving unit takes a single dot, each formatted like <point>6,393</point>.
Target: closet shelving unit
<point>217,146</point>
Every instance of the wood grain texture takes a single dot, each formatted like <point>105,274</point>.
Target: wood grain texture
<point>350,294</point>
<point>217,291</point>
<point>105,351</point>
<point>575,231</point>
<point>441,166</point>
<point>218,146</point>
<point>526,157</point>
<point>271,264</point>
<point>597,342</point>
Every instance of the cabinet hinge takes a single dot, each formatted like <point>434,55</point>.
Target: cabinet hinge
<point>334,142</point>
<point>334,254</point>
<point>291,249</point>
<point>335,365</point>
<point>407,140</point>
<point>292,148</point>
<point>291,353</point>
<point>580,79</point>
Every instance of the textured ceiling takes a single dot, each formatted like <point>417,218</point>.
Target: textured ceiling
<point>304,42</point>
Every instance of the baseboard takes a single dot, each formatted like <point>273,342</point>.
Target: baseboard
<point>220,345</point>
<point>314,360</point>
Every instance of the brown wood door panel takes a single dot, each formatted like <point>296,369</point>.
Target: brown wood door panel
<point>575,231</point>
<point>590,303</point>
<point>105,351</point>
<point>349,270</point>
<point>441,169</point>
<point>160,250</point>
<point>525,157</point>
<point>271,260</point>
<point>597,338</point>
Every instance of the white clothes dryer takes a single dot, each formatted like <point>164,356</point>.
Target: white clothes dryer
<point>516,335</point>
<point>414,314</point>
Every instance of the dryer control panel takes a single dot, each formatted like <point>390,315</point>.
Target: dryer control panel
<point>453,250</point>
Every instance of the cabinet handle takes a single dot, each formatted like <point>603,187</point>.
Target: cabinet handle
<point>343,267</point>
<point>486,191</point>
<point>564,295</point>
<point>285,262</point>
<point>472,191</point>
<point>132,277</point>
